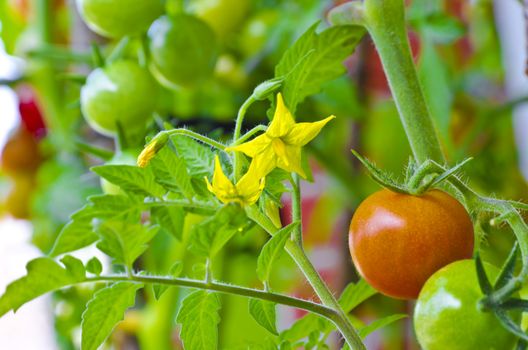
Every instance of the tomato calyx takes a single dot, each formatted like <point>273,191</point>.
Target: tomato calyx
<point>498,297</point>
<point>418,179</point>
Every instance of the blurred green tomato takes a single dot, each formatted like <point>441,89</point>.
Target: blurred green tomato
<point>117,18</point>
<point>128,157</point>
<point>183,50</point>
<point>256,32</point>
<point>224,16</point>
<point>121,92</point>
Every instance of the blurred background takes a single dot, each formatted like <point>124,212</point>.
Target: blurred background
<point>471,59</point>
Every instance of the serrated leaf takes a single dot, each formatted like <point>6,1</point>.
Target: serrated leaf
<point>210,236</point>
<point>123,241</point>
<point>314,59</point>
<point>75,266</point>
<point>111,206</point>
<point>304,326</point>
<point>354,294</point>
<point>375,325</point>
<point>104,311</point>
<point>199,320</point>
<point>264,312</point>
<point>131,179</point>
<point>174,271</point>
<point>74,235</point>
<point>94,266</point>
<point>171,172</point>
<point>272,250</point>
<point>170,219</point>
<point>198,157</point>
<point>43,275</point>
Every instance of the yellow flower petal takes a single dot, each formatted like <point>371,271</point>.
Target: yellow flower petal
<point>253,147</point>
<point>282,121</point>
<point>220,180</point>
<point>250,185</point>
<point>302,133</point>
<point>291,161</point>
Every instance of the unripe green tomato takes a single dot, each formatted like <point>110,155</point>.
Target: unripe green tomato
<point>256,32</point>
<point>183,50</point>
<point>447,314</point>
<point>127,157</point>
<point>224,16</point>
<point>120,92</point>
<point>117,18</point>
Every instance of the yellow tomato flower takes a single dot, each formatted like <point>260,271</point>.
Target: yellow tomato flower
<point>152,148</point>
<point>246,192</point>
<point>280,146</point>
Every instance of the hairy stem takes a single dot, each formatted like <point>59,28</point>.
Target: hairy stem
<point>196,136</point>
<point>223,288</point>
<point>237,132</point>
<point>385,21</point>
<point>299,256</point>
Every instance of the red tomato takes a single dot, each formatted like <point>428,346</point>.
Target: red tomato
<point>21,154</point>
<point>398,241</point>
<point>30,114</point>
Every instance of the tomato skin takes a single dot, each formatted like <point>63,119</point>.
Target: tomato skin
<point>447,316</point>
<point>117,18</point>
<point>120,92</point>
<point>397,241</point>
<point>21,154</point>
<point>178,55</point>
<point>224,16</point>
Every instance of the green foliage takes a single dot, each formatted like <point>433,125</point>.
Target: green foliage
<point>43,275</point>
<point>94,266</point>
<point>171,172</point>
<point>199,318</point>
<point>131,178</point>
<point>264,312</point>
<point>170,219</point>
<point>174,271</point>
<point>104,311</point>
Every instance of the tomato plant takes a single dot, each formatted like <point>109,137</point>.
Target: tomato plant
<point>117,18</point>
<point>178,58</point>
<point>448,310</point>
<point>397,241</point>
<point>121,92</point>
<point>126,157</point>
<point>224,16</point>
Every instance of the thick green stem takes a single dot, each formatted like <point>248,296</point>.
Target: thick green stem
<point>327,298</point>
<point>385,21</point>
<point>196,136</point>
<point>296,209</point>
<point>224,288</point>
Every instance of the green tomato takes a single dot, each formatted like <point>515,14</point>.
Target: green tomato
<point>183,50</point>
<point>121,92</point>
<point>224,16</point>
<point>256,32</point>
<point>447,315</point>
<point>117,18</point>
<point>127,157</point>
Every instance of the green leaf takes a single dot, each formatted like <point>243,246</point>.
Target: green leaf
<point>43,275</point>
<point>442,28</point>
<point>94,266</point>
<point>375,325</point>
<point>198,157</point>
<point>303,327</point>
<point>354,294</point>
<point>272,250</point>
<point>170,219</point>
<point>264,312</point>
<point>315,59</point>
<point>75,266</point>
<point>131,179</point>
<point>104,311</point>
<point>124,241</point>
<point>210,236</point>
<point>74,235</point>
<point>174,272</point>
<point>111,206</point>
<point>171,172</point>
<point>199,320</point>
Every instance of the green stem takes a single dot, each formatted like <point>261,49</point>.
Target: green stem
<point>196,136</point>
<point>296,209</point>
<point>299,256</point>
<point>237,132</point>
<point>223,288</point>
<point>250,133</point>
<point>385,21</point>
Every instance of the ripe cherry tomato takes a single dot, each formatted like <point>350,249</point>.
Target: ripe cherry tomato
<point>30,114</point>
<point>117,18</point>
<point>447,315</point>
<point>122,158</point>
<point>18,201</point>
<point>121,92</point>
<point>183,50</point>
<point>224,16</point>
<point>21,154</point>
<point>398,241</point>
